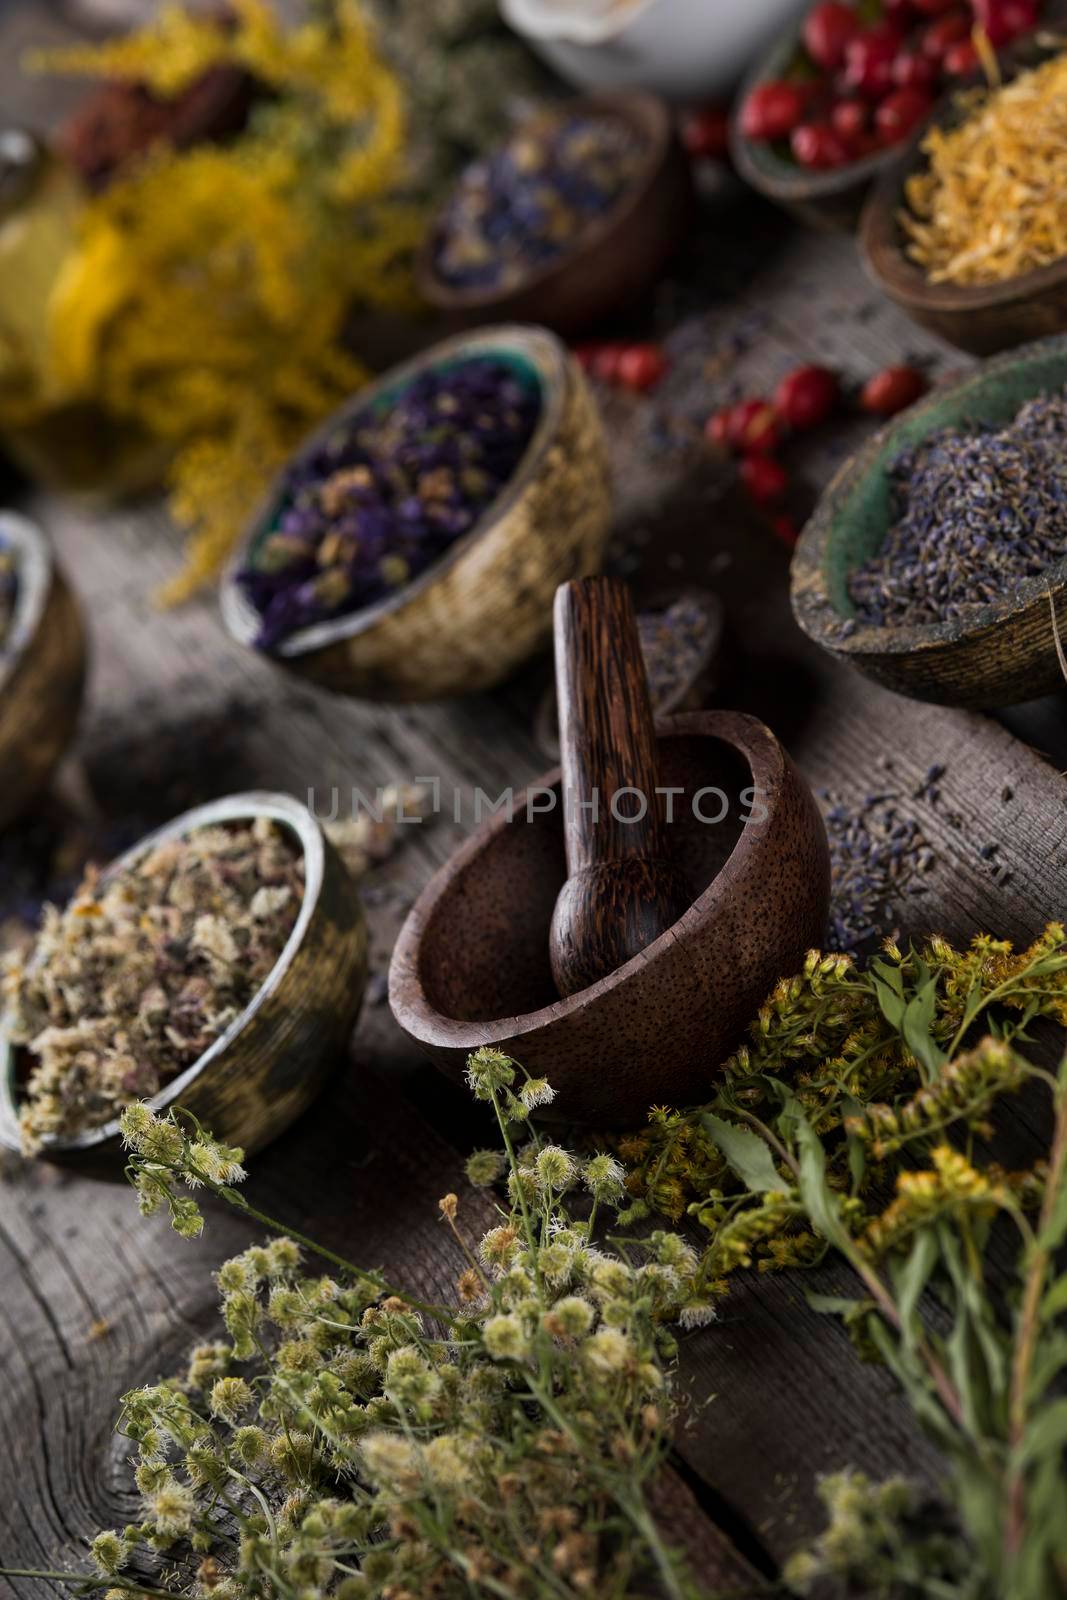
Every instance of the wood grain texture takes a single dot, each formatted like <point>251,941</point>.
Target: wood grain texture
<point>178,713</point>
<point>748,838</point>
<point>617,260</point>
<point>1006,654</point>
<point>485,606</point>
<point>623,889</point>
<point>271,1063</point>
<point>41,687</point>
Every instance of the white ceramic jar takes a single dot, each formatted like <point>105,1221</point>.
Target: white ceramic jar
<point>686,50</point>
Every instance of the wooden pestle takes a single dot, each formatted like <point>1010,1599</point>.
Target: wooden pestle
<point>622,890</point>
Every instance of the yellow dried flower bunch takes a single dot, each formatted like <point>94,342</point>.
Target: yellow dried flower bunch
<point>209,292</point>
<point>991,201</point>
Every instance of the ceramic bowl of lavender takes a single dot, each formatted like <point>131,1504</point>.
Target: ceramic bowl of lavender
<point>682,638</point>
<point>42,664</point>
<point>937,556</point>
<point>570,221</point>
<point>412,547</point>
<point>272,1059</point>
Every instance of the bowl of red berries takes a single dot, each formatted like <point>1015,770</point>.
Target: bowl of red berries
<point>831,106</point>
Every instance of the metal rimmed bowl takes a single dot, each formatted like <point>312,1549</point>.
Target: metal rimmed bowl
<point>473,616</point>
<point>613,261</point>
<point>275,1057</point>
<point>1003,655</point>
<point>42,670</point>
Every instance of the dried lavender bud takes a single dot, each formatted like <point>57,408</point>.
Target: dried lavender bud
<point>523,206</point>
<point>389,493</point>
<point>9,586</point>
<point>673,643</point>
<point>144,971</point>
<point>975,514</point>
<point>878,857</point>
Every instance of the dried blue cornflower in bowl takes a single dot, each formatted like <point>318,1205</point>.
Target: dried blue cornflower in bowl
<point>411,548</point>
<point>935,558</point>
<point>42,664</point>
<point>568,222</point>
<point>219,966</point>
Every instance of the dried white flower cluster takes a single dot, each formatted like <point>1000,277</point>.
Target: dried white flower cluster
<point>140,974</point>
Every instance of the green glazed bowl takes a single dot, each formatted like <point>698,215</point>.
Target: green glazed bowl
<point>1006,652</point>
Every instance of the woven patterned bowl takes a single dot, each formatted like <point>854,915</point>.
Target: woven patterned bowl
<point>275,1057</point>
<point>474,616</point>
<point>42,671</point>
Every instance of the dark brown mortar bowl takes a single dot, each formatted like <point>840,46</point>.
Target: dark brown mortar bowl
<point>613,263</point>
<point>42,671</point>
<point>1007,653</point>
<point>980,318</point>
<point>485,606</point>
<point>471,965</point>
<point>275,1057</point>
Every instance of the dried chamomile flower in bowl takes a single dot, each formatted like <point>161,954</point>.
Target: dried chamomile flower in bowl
<point>42,664</point>
<point>219,966</point>
<point>411,548</point>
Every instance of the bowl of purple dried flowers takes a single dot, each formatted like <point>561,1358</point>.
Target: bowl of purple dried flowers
<point>218,966</point>
<point>936,561</point>
<point>42,664</point>
<point>569,222</point>
<point>411,548</point>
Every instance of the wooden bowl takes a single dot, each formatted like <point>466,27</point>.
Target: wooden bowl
<point>470,619</point>
<point>689,694</point>
<point>980,318</point>
<point>42,671</point>
<point>471,965</point>
<point>1007,654</point>
<point>275,1057</point>
<point>614,262</point>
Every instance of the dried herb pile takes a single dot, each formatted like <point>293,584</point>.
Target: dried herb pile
<point>974,515</point>
<point>389,493</point>
<point>140,974</point>
<point>345,1438</point>
<point>858,1121</point>
<point>522,207</point>
<point>9,587</point>
<point>991,202</point>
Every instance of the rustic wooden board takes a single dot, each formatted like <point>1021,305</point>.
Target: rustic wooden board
<point>178,715</point>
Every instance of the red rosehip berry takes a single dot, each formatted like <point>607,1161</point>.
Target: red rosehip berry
<point>772,111</point>
<point>806,397</point>
<point>816,145</point>
<point>900,113</point>
<point>850,120</point>
<point>640,367</point>
<point>827,30</point>
<point>913,70</point>
<point>893,390</point>
<point>785,529</point>
<point>1006,20</point>
<point>754,427</point>
<point>938,39</point>
<point>764,478</point>
<point>705,134</point>
<point>605,363</point>
<point>961,60</point>
<point>932,8</point>
<point>869,58</point>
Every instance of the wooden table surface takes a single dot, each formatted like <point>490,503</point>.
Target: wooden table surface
<point>94,1300</point>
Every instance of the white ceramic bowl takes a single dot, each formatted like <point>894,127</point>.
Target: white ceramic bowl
<point>686,50</point>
